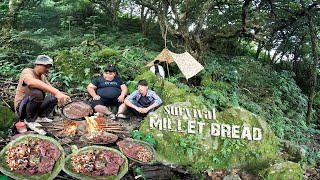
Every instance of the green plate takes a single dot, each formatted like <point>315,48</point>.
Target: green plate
<point>67,166</point>
<point>144,144</point>
<point>4,168</point>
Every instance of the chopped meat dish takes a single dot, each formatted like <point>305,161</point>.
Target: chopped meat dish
<point>136,150</point>
<point>101,137</point>
<point>34,157</point>
<point>97,163</point>
<point>77,110</point>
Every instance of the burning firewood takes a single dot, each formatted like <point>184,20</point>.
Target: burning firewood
<point>70,127</point>
<point>99,124</point>
<point>63,128</point>
<point>92,124</point>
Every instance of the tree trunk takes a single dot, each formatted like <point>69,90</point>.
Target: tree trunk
<point>273,60</point>
<point>314,45</point>
<point>115,4</point>
<point>144,22</point>
<point>12,15</point>
<point>259,49</point>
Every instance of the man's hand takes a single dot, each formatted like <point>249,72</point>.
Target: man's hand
<point>121,99</point>
<point>145,110</point>
<point>62,98</point>
<point>142,110</point>
<point>96,97</point>
<point>139,109</point>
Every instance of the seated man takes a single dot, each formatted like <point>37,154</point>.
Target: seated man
<point>157,69</point>
<point>30,102</point>
<point>108,90</point>
<point>143,100</point>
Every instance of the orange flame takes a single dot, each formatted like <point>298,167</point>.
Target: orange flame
<point>93,125</point>
<point>70,127</point>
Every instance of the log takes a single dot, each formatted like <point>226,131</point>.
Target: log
<point>117,131</point>
<point>157,172</point>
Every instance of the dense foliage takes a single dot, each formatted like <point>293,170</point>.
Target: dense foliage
<point>86,35</point>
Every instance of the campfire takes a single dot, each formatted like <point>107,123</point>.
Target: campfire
<point>95,124</point>
<point>70,127</point>
<point>92,124</point>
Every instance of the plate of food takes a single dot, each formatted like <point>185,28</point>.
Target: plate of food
<point>99,138</point>
<point>139,151</point>
<point>97,163</point>
<point>77,110</point>
<point>32,157</point>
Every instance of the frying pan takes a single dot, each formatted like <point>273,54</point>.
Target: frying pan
<point>77,110</point>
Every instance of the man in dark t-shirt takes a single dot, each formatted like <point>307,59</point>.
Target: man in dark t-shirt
<point>108,90</point>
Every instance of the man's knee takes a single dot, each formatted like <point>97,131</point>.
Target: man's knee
<point>53,99</point>
<point>99,107</point>
<point>36,95</point>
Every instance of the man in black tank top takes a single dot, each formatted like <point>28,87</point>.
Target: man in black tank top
<point>108,90</point>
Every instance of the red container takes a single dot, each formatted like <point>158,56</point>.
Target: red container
<point>21,127</point>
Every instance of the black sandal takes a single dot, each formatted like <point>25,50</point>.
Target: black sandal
<point>112,117</point>
<point>121,116</point>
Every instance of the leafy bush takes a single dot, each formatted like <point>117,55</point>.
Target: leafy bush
<point>7,118</point>
<point>107,53</point>
<point>40,17</point>
<point>276,97</point>
<point>8,69</point>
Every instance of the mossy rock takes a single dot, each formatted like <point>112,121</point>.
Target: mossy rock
<point>294,150</point>
<point>7,118</point>
<point>284,171</point>
<point>232,176</point>
<point>67,166</point>
<point>107,53</point>
<point>203,151</point>
<point>50,175</point>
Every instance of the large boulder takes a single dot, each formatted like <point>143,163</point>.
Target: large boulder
<point>295,152</point>
<point>284,171</point>
<point>189,135</point>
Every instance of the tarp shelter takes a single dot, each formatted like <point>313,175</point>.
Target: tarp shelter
<point>186,63</point>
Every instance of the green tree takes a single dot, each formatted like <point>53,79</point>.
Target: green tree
<point>111,8</point>
<point>198,24</point>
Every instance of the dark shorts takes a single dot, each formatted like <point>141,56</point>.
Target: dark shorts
<point>35,104</point>
<point>106,102</point>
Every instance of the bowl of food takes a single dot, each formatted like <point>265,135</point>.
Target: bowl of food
<point>77,110</point>
<point>32,157</point>
<point>97,163</point>
<point>138,151</point>
<point>99,138</point>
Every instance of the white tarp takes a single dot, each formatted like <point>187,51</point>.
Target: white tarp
<point>186,63</point>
